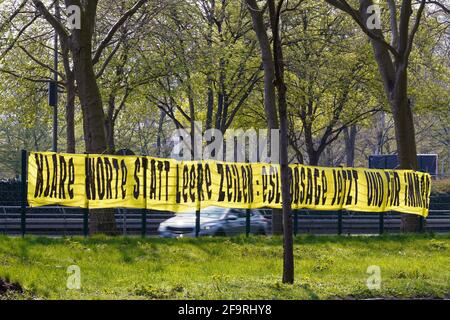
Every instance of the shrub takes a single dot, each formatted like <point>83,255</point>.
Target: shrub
<point>440,186</point>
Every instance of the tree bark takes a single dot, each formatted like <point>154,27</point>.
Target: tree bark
<point>210,103</point>
<point>288,245</point>
<point>404,123</point>
<point>79,42</point>
<point>395,80</point>
<point>269,88</point>
<point>350,140</point>
<point>392,60</point>
<point>159,137</point>
<point>70,114</point>
<point>70,99</point>
<point>100,220</point>
<point>110,123</point>
<point>313,154</point>
<point>405,138</point>
<point>89,94</point>
<point>381,127</point>
<point>268,64</point>
<point>210,79</point>
<point>220,95</point>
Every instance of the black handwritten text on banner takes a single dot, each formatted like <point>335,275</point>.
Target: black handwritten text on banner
<point>103,181</point>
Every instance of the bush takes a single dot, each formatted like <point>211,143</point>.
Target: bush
<point>440,186</point>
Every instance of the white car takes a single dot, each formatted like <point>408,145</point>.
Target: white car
<point>214,221</point>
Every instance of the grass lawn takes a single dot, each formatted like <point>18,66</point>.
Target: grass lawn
<point>226,268</point>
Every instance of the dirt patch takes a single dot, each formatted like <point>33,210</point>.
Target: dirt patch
<point>7,288</point>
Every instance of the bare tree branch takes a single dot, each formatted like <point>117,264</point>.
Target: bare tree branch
<point>14,14</point>
<point>108,60</point>
<point>37,61</point>
<point>414,30</point>
<point>393,22</point>
<point>115,27</point>
<point>344,6</point>
<point>440,5</point>
<point>38,80</point>
<point>21,31</point>
<point>58,26</point>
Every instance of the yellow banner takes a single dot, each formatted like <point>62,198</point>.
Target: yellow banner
<point>108,181</point>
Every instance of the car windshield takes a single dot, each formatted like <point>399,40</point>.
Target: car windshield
<point>211,212</point>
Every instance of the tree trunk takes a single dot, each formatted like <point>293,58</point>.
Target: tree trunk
<point>210,104</point>
<point>70,112</point>
<point>381,127</point>
<point>268,64</point>
<point>395,80</point>
<point>70,97</point>
<point>404,123</point>
<point>313,155</point>
<point>313,159</point>
<point>269,88</point>
<point>194,151</point>
<point>405,138</point>
<point>109,124</point>
<point>159,152</point>
<point>350,140</point>
<point>91,102</point>
<point>100,220</point>
<point>210,79</point>
<point>288,245</point>
<point>221,97</point>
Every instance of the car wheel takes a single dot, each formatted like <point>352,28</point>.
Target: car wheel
<point>220,233</point>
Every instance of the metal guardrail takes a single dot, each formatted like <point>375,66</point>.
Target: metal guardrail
<point>61,221</point>
<point>67,221</point>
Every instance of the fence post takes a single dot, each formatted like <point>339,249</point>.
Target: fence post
<point>64,219</point>
<point>85,222</point>
<point>381,223</point>
<point>199,192</point>
<point>339,222</point>
<point>247,222</point>
<point>86,214</point>
<point>144,223</point>
<point>422,224</point>
<point>144,211</point>
<point>23,206</point>
<point>124,221</point>
<point>6,221</point>
<point>197,223</point>
<point>295,222</point>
